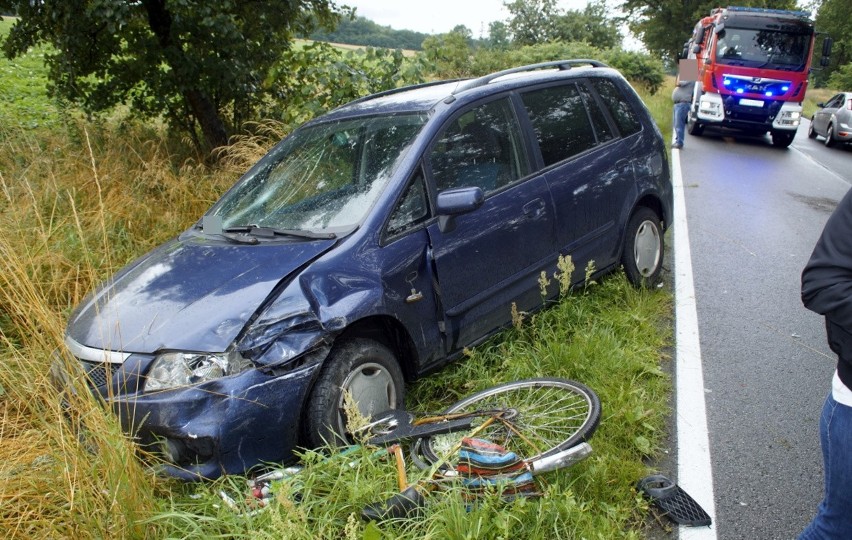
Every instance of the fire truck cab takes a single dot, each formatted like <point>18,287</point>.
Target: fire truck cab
<point>753,67</point>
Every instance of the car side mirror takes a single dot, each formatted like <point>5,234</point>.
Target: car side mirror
<point>454,202</point>
<point>821,105</point>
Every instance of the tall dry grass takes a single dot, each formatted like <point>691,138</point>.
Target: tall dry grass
<point>76,205</point>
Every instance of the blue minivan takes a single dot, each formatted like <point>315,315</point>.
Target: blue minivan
<point>368,248</point>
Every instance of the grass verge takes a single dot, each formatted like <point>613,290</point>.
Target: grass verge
<point>80,200</point>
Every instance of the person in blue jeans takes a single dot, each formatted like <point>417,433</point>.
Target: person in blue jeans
<point>682,98</point>
<point>827,290</point>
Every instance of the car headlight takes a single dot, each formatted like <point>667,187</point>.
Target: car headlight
<point>176,369</point>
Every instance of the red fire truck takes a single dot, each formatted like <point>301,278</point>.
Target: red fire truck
<point>753,67</point>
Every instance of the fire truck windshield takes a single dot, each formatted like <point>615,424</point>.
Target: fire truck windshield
<point>762,48</point>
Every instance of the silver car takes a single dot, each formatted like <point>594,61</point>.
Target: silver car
<point>833,120</point>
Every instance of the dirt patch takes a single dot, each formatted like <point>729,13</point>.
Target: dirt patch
<point>820,204</point>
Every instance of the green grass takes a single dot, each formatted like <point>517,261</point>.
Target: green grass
<point>611,336</point>
<point>80,199</point>
<point>23,89</point>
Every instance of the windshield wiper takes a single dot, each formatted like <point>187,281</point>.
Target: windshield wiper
<point>257,231</point>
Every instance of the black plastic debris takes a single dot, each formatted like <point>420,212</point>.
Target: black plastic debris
<point>673,501</point>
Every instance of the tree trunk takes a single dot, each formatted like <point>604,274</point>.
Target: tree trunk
<point>212,126</point>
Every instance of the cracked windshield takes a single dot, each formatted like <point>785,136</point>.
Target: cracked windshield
<point>322,178</point>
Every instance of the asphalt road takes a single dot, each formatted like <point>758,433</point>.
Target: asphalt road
<point>754,213</point>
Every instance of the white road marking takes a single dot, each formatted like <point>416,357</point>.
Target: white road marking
<point>695,471</point>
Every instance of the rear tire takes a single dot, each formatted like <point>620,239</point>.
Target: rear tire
<point>642,257</point>
<point>369,371</point>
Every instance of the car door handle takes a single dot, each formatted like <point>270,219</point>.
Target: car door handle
<point>534,208</point>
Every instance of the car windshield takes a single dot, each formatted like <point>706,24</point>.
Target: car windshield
<point>764,48</point>
<point>324,177</point>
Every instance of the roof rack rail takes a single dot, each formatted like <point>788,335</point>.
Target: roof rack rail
<point>397,90</point>
<point>561,64</point>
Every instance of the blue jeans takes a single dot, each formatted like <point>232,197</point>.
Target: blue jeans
<point>679,121</point>
<point>834,515</point>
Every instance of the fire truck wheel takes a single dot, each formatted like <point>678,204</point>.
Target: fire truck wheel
<point>694,127</point>
<point>782,139</point>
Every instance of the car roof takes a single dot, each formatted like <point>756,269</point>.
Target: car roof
<point>425,97</point>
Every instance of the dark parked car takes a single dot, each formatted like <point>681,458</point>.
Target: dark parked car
<point>368,248</point>
<point>833,120</point>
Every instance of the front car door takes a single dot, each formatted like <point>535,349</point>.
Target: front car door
<point>492,256</point>
<point>823,116</point>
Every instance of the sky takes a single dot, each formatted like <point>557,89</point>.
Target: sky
<point>439,16</point>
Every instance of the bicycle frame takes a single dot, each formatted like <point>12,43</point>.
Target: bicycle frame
<point>405,428</point>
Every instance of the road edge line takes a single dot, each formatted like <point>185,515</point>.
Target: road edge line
<point>695,472</point>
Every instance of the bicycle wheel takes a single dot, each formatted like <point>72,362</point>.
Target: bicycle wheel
<point>544,416</point>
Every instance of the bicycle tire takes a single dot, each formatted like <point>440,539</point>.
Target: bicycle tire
<point>552,415</point>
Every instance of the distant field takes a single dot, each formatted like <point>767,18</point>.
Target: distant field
<point>23,88</point>
<point>346,47</point>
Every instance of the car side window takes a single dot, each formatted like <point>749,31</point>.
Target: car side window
<point>560,121</point>
<point>835,102</point>
<point>412,209</point>
<point>620,110</point>
<point>482,147</point>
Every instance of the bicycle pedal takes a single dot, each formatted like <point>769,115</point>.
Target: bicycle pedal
<point>675,503</point>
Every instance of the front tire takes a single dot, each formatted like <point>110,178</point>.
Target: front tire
<point>830,141</point>
<point>693,126</point>
<point>642,257</point>
<point>366,369</point>
<point>811,131</point>
<point>782,139</point>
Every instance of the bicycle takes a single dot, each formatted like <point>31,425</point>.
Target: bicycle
<point>544,422</point>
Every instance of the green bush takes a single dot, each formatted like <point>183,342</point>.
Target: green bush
<point>639,68</point>
<point>842,78</point>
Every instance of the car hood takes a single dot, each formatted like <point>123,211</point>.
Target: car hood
<point>188,294</point>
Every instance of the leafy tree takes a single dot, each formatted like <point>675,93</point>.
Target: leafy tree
<point>664,25</point>
<point>498,35</point>
<point>842,78</point>
<point>449,54</point>
<point>540,21</point>
<point>591,25</point>
<point>531,21</point>
<point>192,60</point>
<point>833,19</point>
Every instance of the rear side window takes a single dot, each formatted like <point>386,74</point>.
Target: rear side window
<point>620,109</point>
<point>560,121</point>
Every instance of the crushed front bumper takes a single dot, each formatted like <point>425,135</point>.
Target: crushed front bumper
<point>225,426</point>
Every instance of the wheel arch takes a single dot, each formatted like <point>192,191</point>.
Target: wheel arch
<point>392,334</point>
<point>654,204</point>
